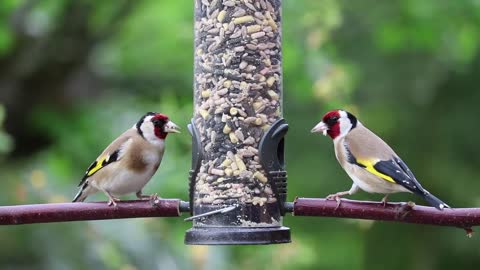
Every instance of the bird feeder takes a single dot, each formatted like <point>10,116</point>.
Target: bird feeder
<point>238,178</point>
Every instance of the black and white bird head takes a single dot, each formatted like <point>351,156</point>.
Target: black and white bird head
<point>154,127</point>
<point>336,124</point>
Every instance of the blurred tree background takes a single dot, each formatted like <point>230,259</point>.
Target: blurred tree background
<point>75,73</point>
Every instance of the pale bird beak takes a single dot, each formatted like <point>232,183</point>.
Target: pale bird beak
<point>320,128</point>
<point>171,127</point>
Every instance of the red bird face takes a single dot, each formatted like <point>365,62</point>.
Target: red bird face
<point>159,120</point>
<point>331,119</point>
<point>336,123</point>
<point>162,125</point>
<point>156,125</point>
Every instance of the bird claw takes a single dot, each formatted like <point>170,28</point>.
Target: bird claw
<point>384,201</point>
<point>154,199</point>
<point>404,210</point>
<point>112,202</point>
<point>337,197</point>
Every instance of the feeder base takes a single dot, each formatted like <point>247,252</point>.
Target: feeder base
<point>237,236</point>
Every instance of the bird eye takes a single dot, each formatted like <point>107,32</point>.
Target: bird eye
<point>332,120</point>
<point>158,122</point>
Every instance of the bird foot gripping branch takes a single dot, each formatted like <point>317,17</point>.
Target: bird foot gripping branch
<point>404,209</point>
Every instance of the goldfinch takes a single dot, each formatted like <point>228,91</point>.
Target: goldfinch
<point>372,165</point>
<point>129,162</point>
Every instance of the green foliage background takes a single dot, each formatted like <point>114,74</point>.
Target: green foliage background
<point>75,74</point>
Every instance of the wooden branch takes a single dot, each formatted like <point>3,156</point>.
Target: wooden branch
<point>402,212</point>
<point>61,212</point>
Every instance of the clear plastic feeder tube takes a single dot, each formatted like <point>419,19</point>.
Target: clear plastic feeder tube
<point>238,102</point>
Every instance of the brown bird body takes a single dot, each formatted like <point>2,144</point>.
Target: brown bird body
<point>370,145</point>
<point>372,165</point>
<point>129,162</point>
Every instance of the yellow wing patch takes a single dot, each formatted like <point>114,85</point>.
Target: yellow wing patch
<point>98,166</point>
<point>368,164</point>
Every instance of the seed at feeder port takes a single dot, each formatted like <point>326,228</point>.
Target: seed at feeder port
<point>203,113</point>
<point>233,111</point>
<point>258,35</point>
<point>225,117</point>
<point>239,49</point>
<point>222,91</point>
<point>240,164</point>
<point>253,28</point>
<point>270,81</point>
<point>258,121</point>
<point>229,3</point>
<point>228,172</point>
<point>227,129</point>
<point>227,84</point>
<point>243,65</point>
<point>249,141</point>
<point>233,137</point>
<point>221,15</point>
<point>243,19</point>
<point>217,172</point>
<point>257,105</point>
<point>273,95</point>
<point>250,120</point>
<point>206,94</point>
<point>239,12</point>
<point>261,177</point>
<point>250,6</point>
<point>246,174</point>
<point>239,135</point>
<point>270,21</point>
<point>226,162</point>
<point>263,117</point>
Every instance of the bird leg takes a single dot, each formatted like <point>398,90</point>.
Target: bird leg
<point>384,200</point>
<point>152,197</point>
<point>338,196</point>
<point>111,199</point>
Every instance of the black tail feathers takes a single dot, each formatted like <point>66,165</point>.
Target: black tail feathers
<point>434,201</point>
<point>81,195</point>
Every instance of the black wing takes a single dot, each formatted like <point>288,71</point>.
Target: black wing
<point>400,173</point>
<point>100,163</point>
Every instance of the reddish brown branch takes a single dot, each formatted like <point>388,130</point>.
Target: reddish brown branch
<point>60,212</point>
<point>402,212</point>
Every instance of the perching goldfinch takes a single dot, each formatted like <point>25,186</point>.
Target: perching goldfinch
<point>129,162</point>
<point>373,166</point>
